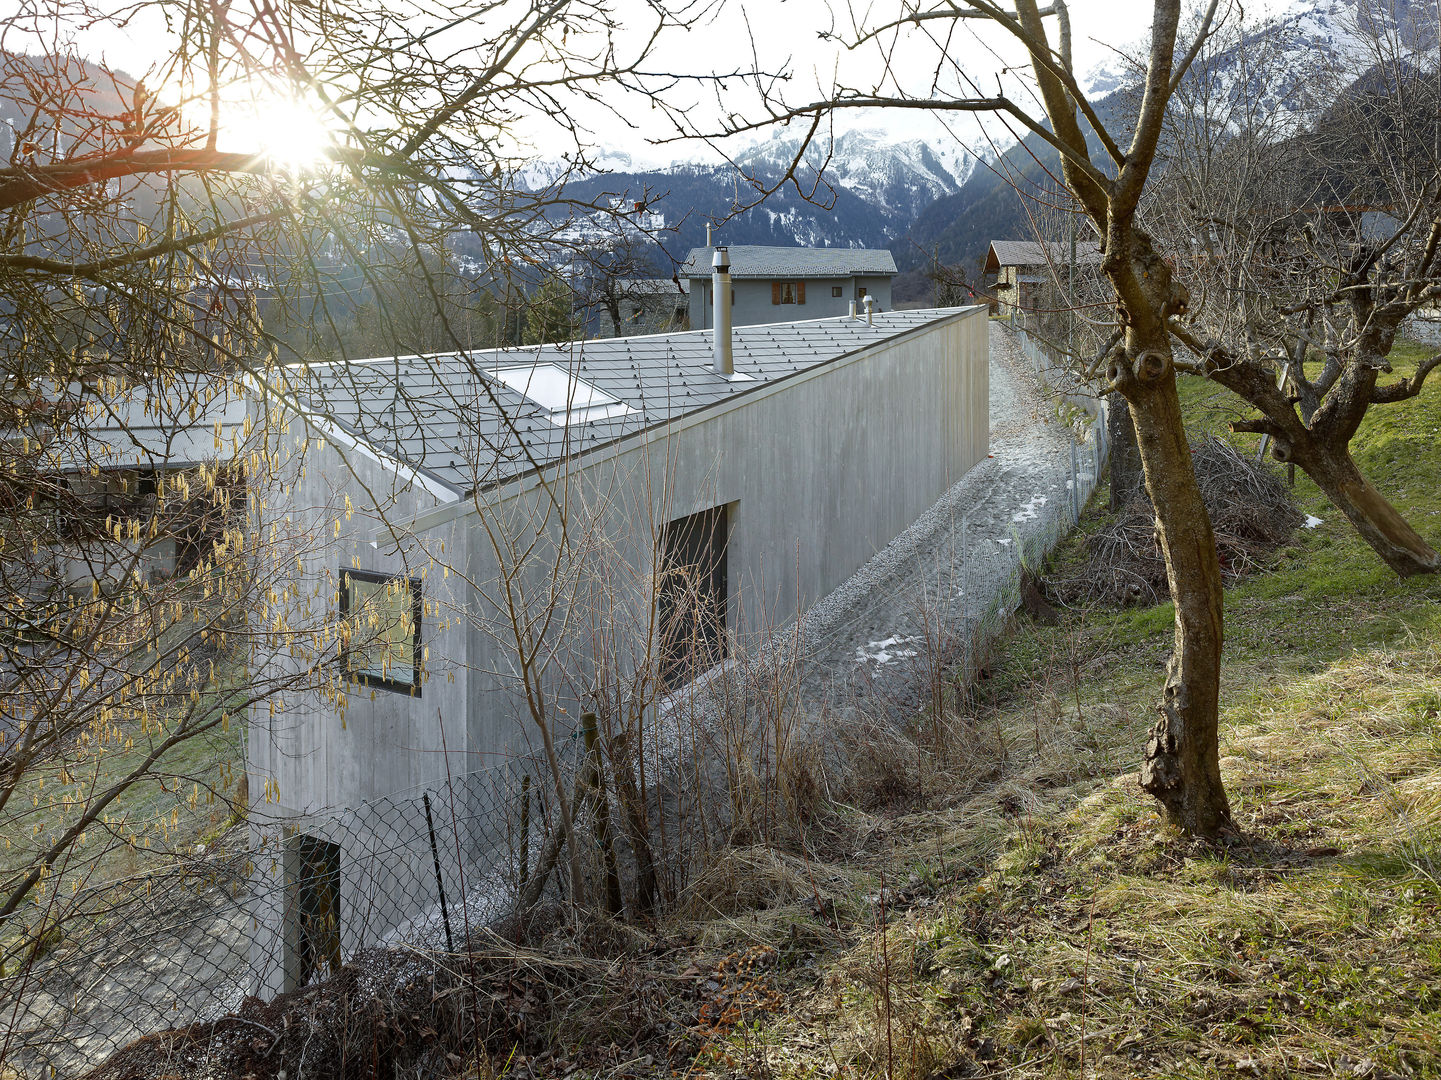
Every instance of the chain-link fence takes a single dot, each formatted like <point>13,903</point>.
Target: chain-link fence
<point>1089,454</point>
<point>274,903</point>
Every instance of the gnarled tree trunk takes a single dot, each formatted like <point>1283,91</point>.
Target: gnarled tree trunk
<point>1380,524</point>
<point>1126,476</point>
<point>1181,767</point>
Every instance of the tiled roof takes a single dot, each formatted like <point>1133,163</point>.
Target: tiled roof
<point>754,260</point>
<point>448,417</point>
<point>1031,252</point>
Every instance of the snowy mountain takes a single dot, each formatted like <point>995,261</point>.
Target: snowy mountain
<point>862,189</point>
<point>898,176</point>
<point>1274,66</point>
<point>1276,63</point>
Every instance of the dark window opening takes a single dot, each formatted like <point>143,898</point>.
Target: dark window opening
<point>380,614</point>
<point>860,292</point>
<point>836,290</point>
<point>691,594</point>
<point>788,292</point>
<point>312,910</point>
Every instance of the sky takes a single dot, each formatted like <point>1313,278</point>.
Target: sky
<point>803,38</point>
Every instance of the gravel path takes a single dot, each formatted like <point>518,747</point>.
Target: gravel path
<point>930,588</point>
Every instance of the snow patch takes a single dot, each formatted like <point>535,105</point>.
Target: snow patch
<point>1029,511</point>
<point>883,652</point>
<point>1311,522</point>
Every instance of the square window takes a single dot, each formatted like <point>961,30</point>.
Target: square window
<point>836,290</point>
<point>788,292</point>
<point>380,616</point>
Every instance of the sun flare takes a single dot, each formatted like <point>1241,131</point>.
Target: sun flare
<point>291,134</point>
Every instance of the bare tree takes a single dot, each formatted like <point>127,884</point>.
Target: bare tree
<point>618,280</point>
<point>1306,228</point>
<point>1181,767</point>
<point>1364,289</point>
<point>170,250</point>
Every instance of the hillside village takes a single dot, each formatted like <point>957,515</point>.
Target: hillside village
<point>902,598</point>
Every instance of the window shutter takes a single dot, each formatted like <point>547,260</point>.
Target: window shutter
<point>800,292</point>
<point>775,292</point>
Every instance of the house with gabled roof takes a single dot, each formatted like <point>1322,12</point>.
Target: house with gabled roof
<point>771,284</point>
<point>565,522</point>
<point>1017,273</point>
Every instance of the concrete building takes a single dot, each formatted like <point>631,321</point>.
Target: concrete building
<point>475,503</point>
<point>773,284</point>
<point>137,441</point>
<point>1017,273</point>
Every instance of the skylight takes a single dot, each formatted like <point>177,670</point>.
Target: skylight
<point>566,398</point>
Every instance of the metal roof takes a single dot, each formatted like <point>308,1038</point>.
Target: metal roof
<point>755,260</point>
<point>1032,253</point>
<point>176,422</point>
<point>449,417</point>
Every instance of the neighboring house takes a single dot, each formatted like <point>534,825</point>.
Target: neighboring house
<point>453,497</point>
<point>128,444</point>
<point>1019,273</point>
<point>635,306</point>
<point>781,284</point>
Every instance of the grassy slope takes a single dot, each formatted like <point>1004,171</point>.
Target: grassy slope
<point>1043,918</point>
<point>166,811</point>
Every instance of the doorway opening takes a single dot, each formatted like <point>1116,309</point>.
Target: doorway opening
<point>312,909</point>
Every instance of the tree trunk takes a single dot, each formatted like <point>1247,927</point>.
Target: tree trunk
<point>1126,477</point>
<point>1400,546</point>
<point>1181,767</point>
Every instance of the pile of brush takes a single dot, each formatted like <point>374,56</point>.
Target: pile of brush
<point>1253,513</point>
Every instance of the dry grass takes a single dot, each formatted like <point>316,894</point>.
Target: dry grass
<point>1002,900</point>
<point>1252,511</point>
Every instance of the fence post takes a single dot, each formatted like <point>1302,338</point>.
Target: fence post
<point>1075,486</point>
<point>524,828</point>
<point>595,781</point>
<point>439,882</point>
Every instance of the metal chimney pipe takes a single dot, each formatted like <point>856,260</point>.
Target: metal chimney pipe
<point>870,310</point>
<point>853,310</point>
<point>721,311</point>
<point>708,240</point>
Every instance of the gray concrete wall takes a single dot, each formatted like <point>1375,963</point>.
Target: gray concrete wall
<point>821,471</point>
<point>317,744</point>
<point>753,306</point>
<point>347,511</point>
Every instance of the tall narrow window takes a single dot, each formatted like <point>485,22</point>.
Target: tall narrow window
<point>691,594</point>
<point>380,616</point>
<point>312,909</point>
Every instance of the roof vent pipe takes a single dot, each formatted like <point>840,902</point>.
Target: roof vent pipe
<point>853,309</point>
<point>721,311</point>
<point>870,309</point>
<point>708,240</point>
